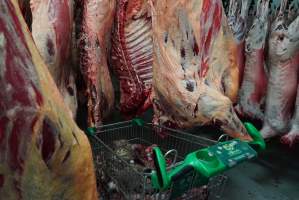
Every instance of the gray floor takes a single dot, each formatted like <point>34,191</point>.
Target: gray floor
<point>274,175</point>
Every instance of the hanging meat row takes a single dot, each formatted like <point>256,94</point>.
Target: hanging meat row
<point>269,88</point>
<point>191,61</point>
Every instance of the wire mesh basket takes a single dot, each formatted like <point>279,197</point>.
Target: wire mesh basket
<point>121,175</point>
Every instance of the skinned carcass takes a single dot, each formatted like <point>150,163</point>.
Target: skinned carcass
<point>254,85</point>
<point>293,134</point>
<point>237,20</point>
<point>43,154</point>
<point>52,23</point>
<point>94,37</point>
<point>283,74</point>
<point>193,51</point>
<point>131,55</point>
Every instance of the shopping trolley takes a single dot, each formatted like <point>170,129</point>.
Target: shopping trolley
<point>180,165</point>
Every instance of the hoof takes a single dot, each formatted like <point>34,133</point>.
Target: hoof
<point>290,139</point>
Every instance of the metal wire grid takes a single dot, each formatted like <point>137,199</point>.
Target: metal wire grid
<point>133,183</point>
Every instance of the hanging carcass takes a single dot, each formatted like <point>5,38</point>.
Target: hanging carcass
<point>43,154</point>
<point>52,23</point>
<point>93,43</point>
<point>254,85</point>
<point>194,69</point>
<point>283,73</point>
<point>132,52</point>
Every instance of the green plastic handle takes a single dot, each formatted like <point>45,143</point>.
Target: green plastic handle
<point>160,179</point>
<point>209,161</point>
<point>258,142</point>
<point>204,164</point>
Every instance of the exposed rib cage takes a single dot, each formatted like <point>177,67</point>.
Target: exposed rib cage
<point>132,52</point>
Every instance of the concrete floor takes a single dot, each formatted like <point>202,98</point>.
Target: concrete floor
<point>273,176</point>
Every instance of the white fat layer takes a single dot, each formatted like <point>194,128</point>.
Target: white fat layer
<point>2,55</point>
<point>97,11</point>
<point>283,78</point>
<point>70,99</point>
<point>43,32</point>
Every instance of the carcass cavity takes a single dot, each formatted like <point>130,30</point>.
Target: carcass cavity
<point>49,134</point>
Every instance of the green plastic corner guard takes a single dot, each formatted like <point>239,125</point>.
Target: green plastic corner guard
<point>205,161</point>
<point>138,122</point>
<point>258,141</point>
<point>91,131</point>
